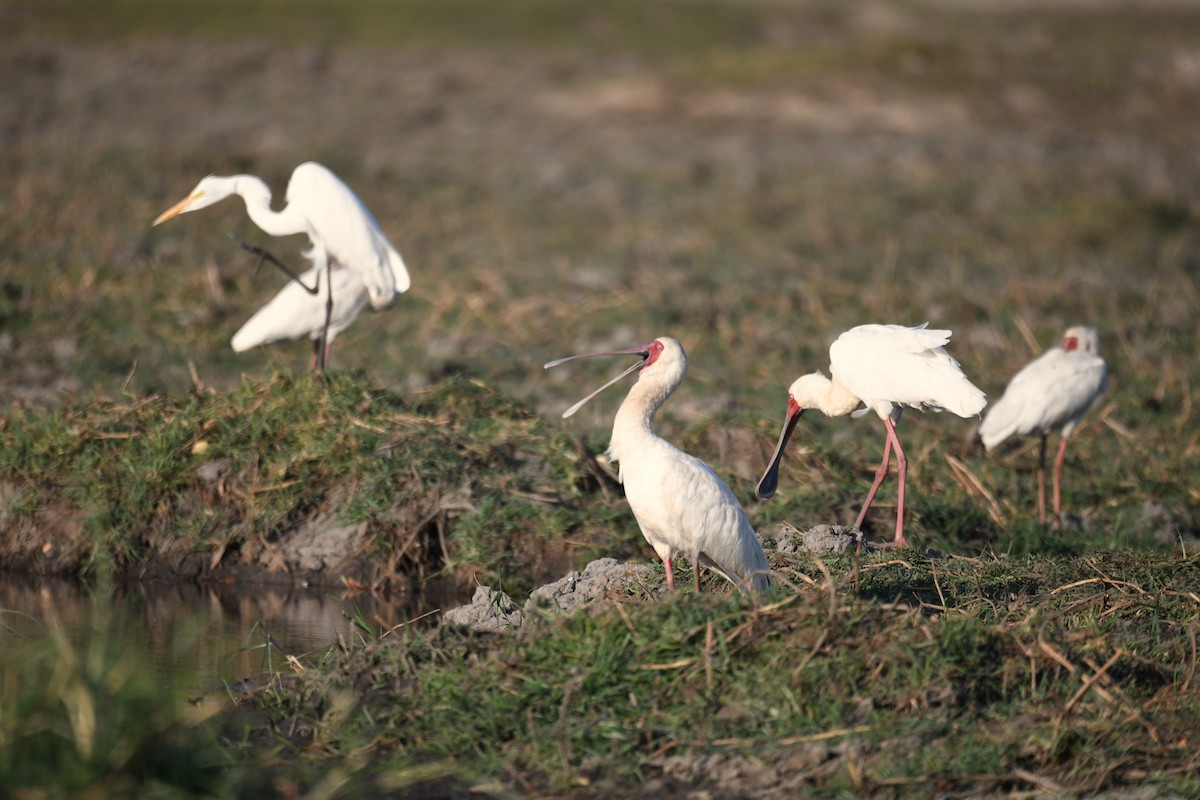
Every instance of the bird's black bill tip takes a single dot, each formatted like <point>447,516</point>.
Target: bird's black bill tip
<point>766,490</point>
<point>769,482</point>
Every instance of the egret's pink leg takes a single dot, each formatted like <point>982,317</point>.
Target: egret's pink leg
<point>1041,475</point>
<point>1059,460</point>
<point>902,468</point>
<point>670,575</point>
<point>880,474</point>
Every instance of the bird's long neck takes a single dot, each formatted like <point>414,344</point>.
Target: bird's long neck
<point>635,416</point>
<point>257,196</point>
<point>829,397</point>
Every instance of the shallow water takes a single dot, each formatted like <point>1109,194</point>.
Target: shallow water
<point>218,633</point>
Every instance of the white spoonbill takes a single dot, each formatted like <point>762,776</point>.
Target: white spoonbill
<point>339,227</point>
<point>1050,393</point>
<point>680,504</point>
<point>295,313</point>
<point>884,368</point>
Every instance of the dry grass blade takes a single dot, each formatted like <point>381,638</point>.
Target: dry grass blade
<point>1026,334</point>
<point>1119,429</point>
<point>974,486</point>
<point>1106,581</point>
<point>670,665</point>
<point>1040,781</point>
<point>822,736</point>
<point>1091,681</point>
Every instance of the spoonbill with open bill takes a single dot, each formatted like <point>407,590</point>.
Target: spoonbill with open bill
<point>680,504</point>
<point>883,368</point>
<point>1050,393</point>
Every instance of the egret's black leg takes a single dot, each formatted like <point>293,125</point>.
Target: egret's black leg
<point>324,356</point>
<point>265,255</point>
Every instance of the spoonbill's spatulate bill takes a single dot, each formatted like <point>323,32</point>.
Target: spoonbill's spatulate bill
<point>883,368</point>
<point>680,504</point>
<point>1050,393</point>
<point>340,229</point>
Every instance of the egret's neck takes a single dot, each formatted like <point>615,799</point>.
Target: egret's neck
<point>257,196</point>
<point>829,397</point>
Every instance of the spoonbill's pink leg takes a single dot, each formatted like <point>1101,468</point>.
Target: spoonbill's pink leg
<point>1059,460</point>
<point>880,474</point>
<point>1041,475</point>
<point>902,468</point>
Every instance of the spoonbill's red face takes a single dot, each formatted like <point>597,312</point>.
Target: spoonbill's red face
<point>1070,343</point>
<point>651,353</point>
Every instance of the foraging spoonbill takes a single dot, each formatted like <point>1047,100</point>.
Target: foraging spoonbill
<point>884,368</point>
<point>1050,393</point>
<point>340,229</point>
<point>680,504</point>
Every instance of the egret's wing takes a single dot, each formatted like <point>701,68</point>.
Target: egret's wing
<point>347,231</point>
<point>295,313</point>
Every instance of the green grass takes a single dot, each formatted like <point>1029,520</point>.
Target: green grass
<point>855,675</point>
<point>154,480</point>
<point>954,674</point>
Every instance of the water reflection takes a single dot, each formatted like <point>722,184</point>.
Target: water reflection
<point>224,632</point>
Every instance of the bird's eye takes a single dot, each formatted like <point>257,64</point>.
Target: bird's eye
<point>658,346</point>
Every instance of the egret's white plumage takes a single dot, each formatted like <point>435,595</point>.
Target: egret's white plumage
<point>341,231</point>
<point>295,313</point>
<point>1050,393</point>
<point>884,368</point>
<point>680,504</point>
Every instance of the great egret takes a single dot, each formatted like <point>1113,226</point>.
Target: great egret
<point>1050,393</point>
<point>680,504</point>
<point>340,228</point>
<point>884,368</point>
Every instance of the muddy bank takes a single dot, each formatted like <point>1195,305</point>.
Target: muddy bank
<point>315,481</point>
<point>324,551</point>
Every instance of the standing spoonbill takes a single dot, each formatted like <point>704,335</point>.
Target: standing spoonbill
<point>680,504</point>
<point>294,313</point>
<point>883,368</point>
<point>339,227</point>
<point>1052,392</point>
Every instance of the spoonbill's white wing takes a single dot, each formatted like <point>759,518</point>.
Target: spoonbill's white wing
<point>1050,393</point>
<point>893,365</point>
